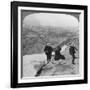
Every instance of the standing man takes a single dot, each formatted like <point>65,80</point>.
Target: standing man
<point>72,51</point>
<point>48,51</point>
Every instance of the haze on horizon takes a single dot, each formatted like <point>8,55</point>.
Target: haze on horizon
<point>53,20</point>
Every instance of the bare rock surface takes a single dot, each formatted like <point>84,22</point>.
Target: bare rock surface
<point>61,67</point>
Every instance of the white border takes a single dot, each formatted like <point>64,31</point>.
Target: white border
<point>58,78</point>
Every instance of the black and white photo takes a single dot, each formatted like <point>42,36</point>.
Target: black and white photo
<point>49,44</point>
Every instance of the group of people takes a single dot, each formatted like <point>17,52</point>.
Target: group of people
<point>48,51</point>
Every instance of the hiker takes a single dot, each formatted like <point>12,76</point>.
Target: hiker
<point>72,51</point>
<point>48,51</point>
<point>58,55</point>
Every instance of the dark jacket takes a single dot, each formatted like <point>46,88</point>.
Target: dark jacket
<point>48,51</point>
<point>58,55</point>
<point>72,50</point>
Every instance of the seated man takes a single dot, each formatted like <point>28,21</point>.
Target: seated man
<point>48,51</point>
<point>58,55</point>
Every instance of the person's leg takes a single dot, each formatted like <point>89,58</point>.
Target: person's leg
<point>73,59</point>
<point>48,58</point>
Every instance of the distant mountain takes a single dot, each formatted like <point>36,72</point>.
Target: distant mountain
<point>38,30</point>
<point>34,40</point>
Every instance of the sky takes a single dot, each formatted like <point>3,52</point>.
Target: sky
<point>49,19</point>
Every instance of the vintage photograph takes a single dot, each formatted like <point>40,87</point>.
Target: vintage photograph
<point>50,43</point>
